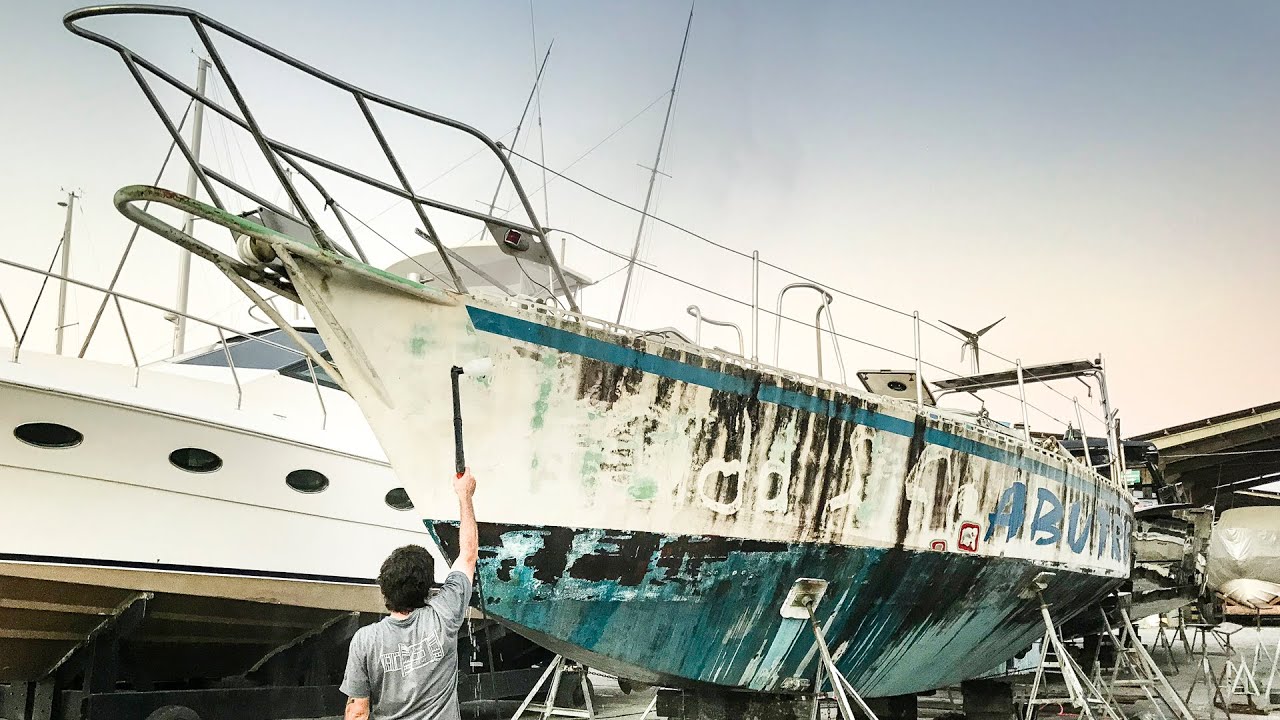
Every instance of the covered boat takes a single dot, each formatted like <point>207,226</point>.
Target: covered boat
<point>647,503</point>
<point>1244,556</point>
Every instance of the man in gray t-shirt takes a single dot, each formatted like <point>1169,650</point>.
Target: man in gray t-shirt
<point>405,667</point>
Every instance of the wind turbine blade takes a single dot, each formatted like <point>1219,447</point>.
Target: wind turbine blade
<point>983,330</point>
<point>962,331</point>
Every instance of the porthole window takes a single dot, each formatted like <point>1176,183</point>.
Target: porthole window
<point>306,481</point>
<point>195,460</point>
<point>399,499</point>
<point>48,435</point>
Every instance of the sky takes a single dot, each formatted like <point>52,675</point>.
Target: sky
<point>1103,175</point>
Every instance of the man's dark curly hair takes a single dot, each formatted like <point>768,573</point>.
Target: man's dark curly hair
<point>406,576</point>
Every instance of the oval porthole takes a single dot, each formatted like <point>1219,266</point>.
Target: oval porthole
<point>306,481</point>
<point>399,499</point>
<point>48,435</point>
<point>195,460</point>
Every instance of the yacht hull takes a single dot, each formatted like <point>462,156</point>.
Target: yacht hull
<point>114,511</point>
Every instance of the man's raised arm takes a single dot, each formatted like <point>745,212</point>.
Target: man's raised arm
<point>468,534</point>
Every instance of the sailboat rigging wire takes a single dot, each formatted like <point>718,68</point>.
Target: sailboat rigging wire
<point>657,162</point>
<point>739,253</point>
<point>576,160</point>
<point>111,286</point>
<point>39,294</point>
<point>705,239</point>
<point>540,285</point>
<point>840,336</point>
<point>437,178</point>
<point>388,241</point>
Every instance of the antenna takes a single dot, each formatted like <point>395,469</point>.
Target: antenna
<point>70,205</point>
<point>971,342</point>
<point>653,171</point>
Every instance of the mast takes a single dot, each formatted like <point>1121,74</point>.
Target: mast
<point>184,258</point>
<point>653,171</point>
<point>70,205</point>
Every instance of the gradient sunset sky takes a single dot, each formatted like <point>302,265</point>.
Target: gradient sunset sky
<point>1106,175</point>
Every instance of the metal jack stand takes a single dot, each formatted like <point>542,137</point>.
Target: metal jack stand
<point>1213,689</point>
<point>1132,655</point>
<point>1081,692</point>
<point>1242,683</point>
<point>805,595</point>
<point>549,708</point>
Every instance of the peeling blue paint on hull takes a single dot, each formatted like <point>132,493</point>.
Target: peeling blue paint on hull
<point>685,610</point>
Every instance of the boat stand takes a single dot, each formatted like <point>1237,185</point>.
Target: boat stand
<point>1165,637</point>
<point>1081,692</point>
<point>555,670</point>
<point>1212,682</point>
<point>1243,684</point>
<point>1134,661</point>
<point>805,594</point>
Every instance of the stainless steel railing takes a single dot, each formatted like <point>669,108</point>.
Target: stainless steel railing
<point>115,298</point>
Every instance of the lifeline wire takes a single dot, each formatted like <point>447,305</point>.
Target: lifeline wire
<point>792,273</point>
<point>797,321</point>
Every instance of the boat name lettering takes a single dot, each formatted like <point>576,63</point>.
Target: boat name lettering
<point>1047,526</point>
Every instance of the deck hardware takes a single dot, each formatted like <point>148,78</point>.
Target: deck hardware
<point>696,312</point>
<point>824,308</point>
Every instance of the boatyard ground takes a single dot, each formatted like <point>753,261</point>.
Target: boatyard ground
<point>1179,668</point>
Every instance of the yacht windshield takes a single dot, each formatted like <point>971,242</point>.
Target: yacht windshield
<point>246,352</point>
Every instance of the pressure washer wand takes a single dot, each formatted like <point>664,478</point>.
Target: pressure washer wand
<point>460,463</point>
<point>479,367</point>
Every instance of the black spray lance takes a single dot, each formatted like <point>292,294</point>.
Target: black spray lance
<point>478,368</point>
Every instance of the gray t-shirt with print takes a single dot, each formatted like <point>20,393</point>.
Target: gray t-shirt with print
<point>408,668</point>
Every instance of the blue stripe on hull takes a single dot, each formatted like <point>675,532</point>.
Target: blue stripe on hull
<point>749,384</point>
<point>684,610</point>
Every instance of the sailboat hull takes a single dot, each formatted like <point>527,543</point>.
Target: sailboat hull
<point>647,504</point>
<point>689,610</point>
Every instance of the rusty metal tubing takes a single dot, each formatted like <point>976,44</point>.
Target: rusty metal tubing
<point>464,262</point>
<point>432,237</point>
<point>246,192</point>
<point>256,131</point>
<point>131,62</point>
<point>696,312</point>
<point>332,204</point>
<point>827,298</point>
<point>237,272</point>
<point>200,21</point>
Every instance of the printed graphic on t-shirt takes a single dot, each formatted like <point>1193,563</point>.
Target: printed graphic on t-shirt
<point>411,657</point>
